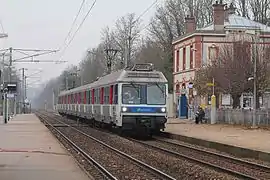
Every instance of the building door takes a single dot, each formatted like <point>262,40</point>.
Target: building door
<point>183,107</point>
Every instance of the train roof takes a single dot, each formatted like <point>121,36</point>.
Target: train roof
<point>122,76</point>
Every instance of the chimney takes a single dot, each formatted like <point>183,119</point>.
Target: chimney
<point>190,24</point>
<point>229,10</point>
<point>218,15</point>
<point>226,14</point>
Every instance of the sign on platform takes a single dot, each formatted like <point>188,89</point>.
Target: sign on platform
<point>210,84</point>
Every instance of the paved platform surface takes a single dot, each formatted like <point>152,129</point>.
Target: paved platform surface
<point>255,139</point>
<point>29,152</point>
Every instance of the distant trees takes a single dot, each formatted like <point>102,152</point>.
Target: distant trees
<point>156,46</point>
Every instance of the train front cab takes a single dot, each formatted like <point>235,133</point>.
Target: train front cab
<point>143,106</point>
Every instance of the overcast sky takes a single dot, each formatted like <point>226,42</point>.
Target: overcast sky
<point>44,24</point>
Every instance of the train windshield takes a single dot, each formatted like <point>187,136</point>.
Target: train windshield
<point>156,94</point>
<point>152,94</point>
<point>131,94</point>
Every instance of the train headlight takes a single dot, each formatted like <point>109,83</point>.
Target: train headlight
<point>124,109</point>
<point>163,109</point>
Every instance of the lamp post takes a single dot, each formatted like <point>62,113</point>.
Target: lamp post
<point>255,34</point>
<point>5,113</point>
<point>110,53</point>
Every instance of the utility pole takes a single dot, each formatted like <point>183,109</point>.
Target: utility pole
<point>45,105</point>
<point>23,89</point>
<point>129,49</point>
<point>66,78</point>
<point>25,85</point>
<point>110,54</point>
<point>15,105</point>
<point>10,64</point>
<point>255,83</point>
<point>9,80</point>
<point>53,99</point>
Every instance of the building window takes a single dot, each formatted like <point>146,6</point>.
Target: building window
<point>191,57</point>
<point>177,61</point>
<point>212,54</point>
<point>177,88</point>
<point>184,58</point>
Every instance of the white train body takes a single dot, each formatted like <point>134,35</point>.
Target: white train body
<point>127,99</point>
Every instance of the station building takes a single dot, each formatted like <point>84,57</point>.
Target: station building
<point>199,45</point>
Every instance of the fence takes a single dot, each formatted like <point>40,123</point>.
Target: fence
<point>242,117</point>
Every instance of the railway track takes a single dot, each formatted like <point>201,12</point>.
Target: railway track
<point>111,162</point>
<point>227,164</point>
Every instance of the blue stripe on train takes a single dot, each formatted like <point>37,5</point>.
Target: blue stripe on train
<point>144,109</point>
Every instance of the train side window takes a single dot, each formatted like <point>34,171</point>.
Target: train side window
<point>106,95</point>
<point>96,96</point>
<point>89,97</point>
<point>71,98</point>
<point>111,95</point>
<point>115,97</point>
<point>101,95</point>
<point>82,97</point>
<point>93,96</point>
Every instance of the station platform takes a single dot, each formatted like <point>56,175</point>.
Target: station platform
<point>236,140</point>
<point>28,151</point>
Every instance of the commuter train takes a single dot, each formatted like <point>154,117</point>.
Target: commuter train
<point>133,99</point>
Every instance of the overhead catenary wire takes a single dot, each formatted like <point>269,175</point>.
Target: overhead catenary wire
<point>73,23</point>
<point>85,17</point>
<point>2,26</point>
<point>144,27</point>
<point>146,10</point>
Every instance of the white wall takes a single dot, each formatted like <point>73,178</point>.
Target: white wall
<point>170,107</point>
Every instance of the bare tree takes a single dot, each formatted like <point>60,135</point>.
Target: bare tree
<point>260,10</point>
<point>233,67</point>
<point>127,36</point>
